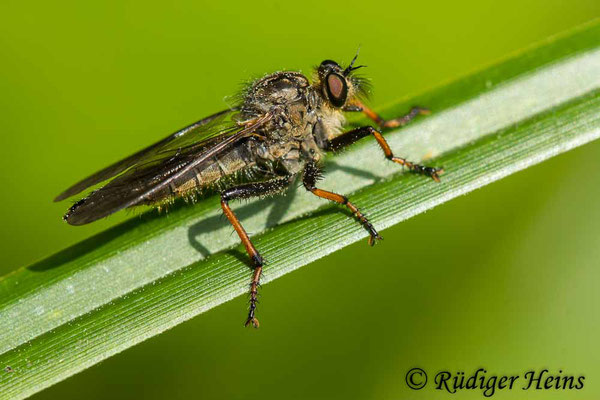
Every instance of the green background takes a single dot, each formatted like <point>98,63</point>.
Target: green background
<point>503,278</point>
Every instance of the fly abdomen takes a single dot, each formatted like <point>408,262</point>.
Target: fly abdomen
<point>207,175</point>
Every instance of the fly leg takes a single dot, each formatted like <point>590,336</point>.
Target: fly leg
<point>245,192</point>
<point>311,175</point>
<point>390,123</point>
<point>354,135</point>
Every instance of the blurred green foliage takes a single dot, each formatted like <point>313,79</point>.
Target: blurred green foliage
<point>502,278</point>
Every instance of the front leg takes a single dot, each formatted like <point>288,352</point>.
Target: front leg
<point>390,123</point>
<point>354,135</point>
<point>245,192</point>
<point>309,178</point>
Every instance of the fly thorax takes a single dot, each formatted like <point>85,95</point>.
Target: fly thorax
<point>278,89</point>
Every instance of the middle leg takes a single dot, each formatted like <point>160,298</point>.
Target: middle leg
<point>309,178</point>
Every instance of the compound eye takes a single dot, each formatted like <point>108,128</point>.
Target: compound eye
<point>337,90</point>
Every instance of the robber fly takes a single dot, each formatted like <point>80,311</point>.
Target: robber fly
<point>281,128</point>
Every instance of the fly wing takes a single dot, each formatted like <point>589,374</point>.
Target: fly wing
<point>194,130</point>
<point>154,174</point>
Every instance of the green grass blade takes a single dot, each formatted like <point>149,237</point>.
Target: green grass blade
<point>142,277</point>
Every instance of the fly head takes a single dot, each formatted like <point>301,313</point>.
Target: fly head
<point>337,85</point>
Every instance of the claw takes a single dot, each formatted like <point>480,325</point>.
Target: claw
<point>374,239</point>
<point>253,321</point>
<point>437,173</point>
